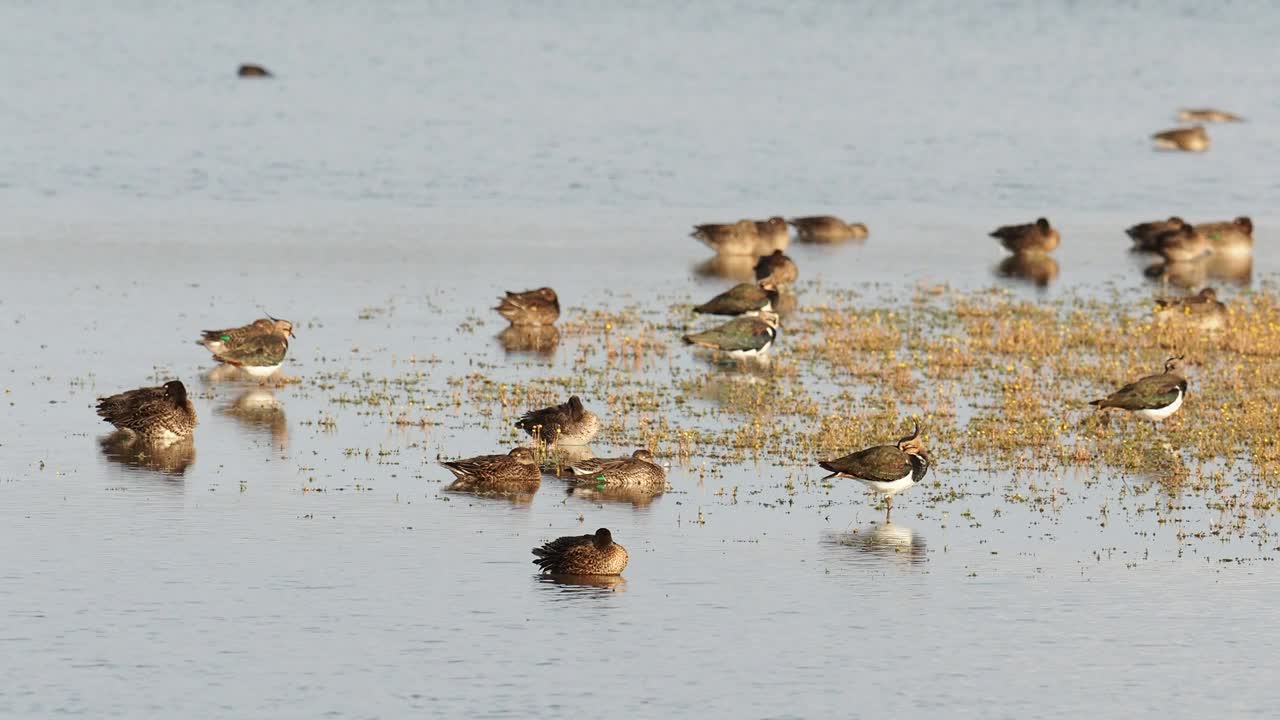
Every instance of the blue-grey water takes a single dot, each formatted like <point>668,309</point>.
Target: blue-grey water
<point>409,162</point>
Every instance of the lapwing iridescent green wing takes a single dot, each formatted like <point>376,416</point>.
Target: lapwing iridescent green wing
<point>1038,236</point>
<point>742,299</point>
<point>885,469</point>
<point>258,355</point>
<point>218,340</point>
<point>515,473</point>
<point>595,554</point>
<point>567,424</point>
<point>163,413</point>
<point>741,337</point>
<point>531,307</point>
<point>1154,397</point>
<point>638,469</point>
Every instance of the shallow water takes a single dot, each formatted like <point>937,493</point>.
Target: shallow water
<point>408,164</point>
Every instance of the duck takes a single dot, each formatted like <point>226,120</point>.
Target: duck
<point>777,269</point>
<point>742,299</point>
<point>251,70</point>
<point>1182,245</point>
<point>216,341</point>
<point>826,229</point>
<point>567,424</point>
<point>1144,235</point>
<point>1233,238</point>
<point>739,238</point>
<point>638,469</point>
<point>162,413</point>
<point>1188,139</point>
<point>1152,398</point>
<point>1202,310</point>
<point>743,337</point>
<point>1038,236</point>
<point>531,307</point>
<point>515,473</point>
<point>771,235</point>
<point>885,469</point>
<point>595,554</point>
<point>1207,115</point>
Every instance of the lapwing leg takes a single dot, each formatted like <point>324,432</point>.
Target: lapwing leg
<point>888,507</point>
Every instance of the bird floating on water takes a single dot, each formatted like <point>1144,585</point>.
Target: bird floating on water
<point>826,229</point>
<point>745,237</point>
<point>1188,139</point>
<point>162,413</point>
<point>638,469</point>
<point>1233,238</point>
<point>777,269</point>
<point>1184,244</point>
<point>1145,235</point>
<point>250,70</point>
<point>515,473</point>
<point>531,307</point>
<point>567,424</point>
<point>1154,397</point>
<point>1038,236</point>
<point>1207,115</point>
<point>595,554</point>
<point>885,469</point>
<point>743,337</point>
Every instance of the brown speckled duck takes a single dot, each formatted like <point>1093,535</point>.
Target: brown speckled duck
<point>249,70</point>
<point>1182,245</point>
<point>771,235</point>
<point>776,269</point>
<point>1188,139</point>
<point>515,473</point>
<point>1233,238</point>
<point>740,238</point>
<point>1197,115</point>
<point>1144,235</point>
<point>163,413</point>
<point>594,554</point>
<point>637,470</point>
<point>1202,310</point>
<point>531,307</point>
<point>826,229</point>
<point>1038,236</point>
<point>567,424</point>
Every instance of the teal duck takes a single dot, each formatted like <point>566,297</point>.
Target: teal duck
<point>1182,245</point>
<point>742,337</point>
<point>1154,397</point>
<point>567,424</point>
<point>251,70</point>
<point>531,307</point>
<point>1038,236</point>
<point>1233,238</point>
<point>638,469</point>
<point>771,235</point>
<point>885,469</point>
<point>1144,235</point>
<point>740,238</point>
<point>153,413</point>
<point>777,269</point>
<point>1188,139</point>
<point>1202,310</point>
<point>1198,115</point>
<point>218,340</point>
<point>594,554</point>
<point>515,473</point>
<point>742,299</point>
<point>826,229</point>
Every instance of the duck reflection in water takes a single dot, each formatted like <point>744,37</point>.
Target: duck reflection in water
<point>129,449</point>
<point>571,586</point>
<point>739,268</point>
<point>537,339</point>
<point>638,497</point>
<point>1038,269</point>
<point>880,542</point>
<point>1187,274</point>
<point>1235,269</point>
<point>259,409</point>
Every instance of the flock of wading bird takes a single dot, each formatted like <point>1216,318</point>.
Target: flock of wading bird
<point>150,418</point>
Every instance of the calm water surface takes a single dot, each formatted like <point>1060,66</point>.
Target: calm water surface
<point>410,162</point>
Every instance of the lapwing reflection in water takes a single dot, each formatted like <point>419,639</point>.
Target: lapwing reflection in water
<point>878,543</point>
<point>259,409</point>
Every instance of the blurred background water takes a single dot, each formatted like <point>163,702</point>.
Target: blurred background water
<point>411,160</point>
